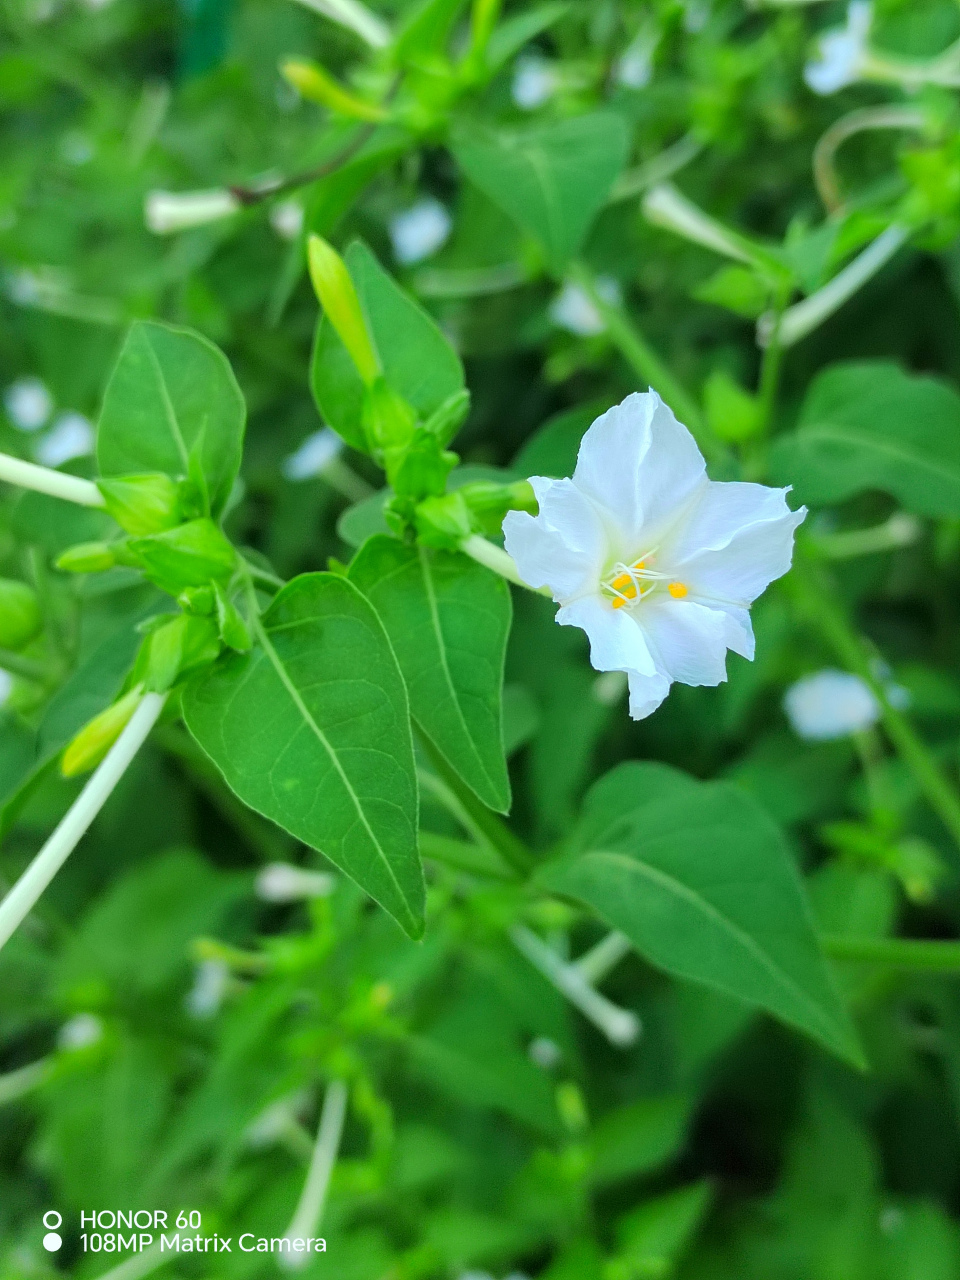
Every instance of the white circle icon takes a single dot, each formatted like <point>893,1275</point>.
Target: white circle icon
<point>52,1226</point>
<point>52,1242</point>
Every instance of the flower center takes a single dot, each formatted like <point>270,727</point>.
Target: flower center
<point>628,584</point>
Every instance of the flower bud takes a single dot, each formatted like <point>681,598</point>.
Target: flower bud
<point>20,617</point>
<point>421,469</point>
<point>173,647</point>
<point>191,555</point>
<point>142,504</point>
<point>232,629</point>
<point>443,522</point>
<point>87,557</point>
<point>338,297</point>
<point>445,422</point>
<point>168,211</point>
<point>317,85</point>
<point>388,420</point>
<point>99,734</point>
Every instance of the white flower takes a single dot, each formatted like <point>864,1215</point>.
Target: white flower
<point>167,211</point>
<point>658,564</point>
<point>830,704</point>
<point>317,451</point>
<point>210,984</point>
<point>574,310</point>
<point>634,67</point>
<point>544,1053</point>
<point>71,436</point>
<point>286,218</point>
<point>534,82</point>
<point>79,1032</point>
<point>419,231</point>
<point>842,52</point>
<point>281,882</point>
<point>28,403</point>
<point>6,686</point>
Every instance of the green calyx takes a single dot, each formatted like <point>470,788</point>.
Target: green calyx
<point>144,504</point>
<point>191,555</point>
<point>20,617</point>
<point>173,648</point>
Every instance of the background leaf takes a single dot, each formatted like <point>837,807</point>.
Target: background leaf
<point>313,732</point>
<point>448,620</point>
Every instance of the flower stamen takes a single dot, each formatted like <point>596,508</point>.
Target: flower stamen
<point>631,582</point>
<point>678,590</point>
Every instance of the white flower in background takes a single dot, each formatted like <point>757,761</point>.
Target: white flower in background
<point>544,1053</point>
<point>210,984</point>
<point>286,218</point>
<point>830,704</point>
<point>281,882</point>
<point>79,1032</point>
<point>76,148</point>
<point>656,563</point>
<point>167,211</point>
<point>6,686</point>
<point>419,231</point>
<point>634,67</point>
<point>841,53</point>
<point>574,310</point>
<point>696,14</point>
<point>535,81</point>
<point>28,403</point>
<point>317,451</point>
<point>277,1119</point>
<point>71,436</point>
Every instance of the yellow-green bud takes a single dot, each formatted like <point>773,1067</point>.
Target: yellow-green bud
<point>191,555</point>
<point>20,617</point>
<point>338,297</point>
<point>98,735</point>
<point>317,85</point>
<point>174,647</point>
<point>87,557</point>
<point>388,420</point>
<point>142,504</point>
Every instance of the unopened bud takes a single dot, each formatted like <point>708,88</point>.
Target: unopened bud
<point>142,504</point>
<point>169,211</point>
<point>338,297</point>
<point>87,557</point>
<point>233,630</point>
<point>445,422</point>
<point>20,617</point>
<point>444,521</point>
<point>388,420</point>
<point>317,85</point>
<point>174,647</point>
<point>99,734</point>
<point>191,555</point>
<point>282,882</point>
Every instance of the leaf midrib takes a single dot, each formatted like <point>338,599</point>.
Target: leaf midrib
<point>891,448</point>
<point>168,407</point>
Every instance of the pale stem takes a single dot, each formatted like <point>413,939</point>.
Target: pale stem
<point>602,959</point>
<point>141,1264</point>
<point>802,318</point>
<point>866,119</point>
<point>658,169</point>
<point>14,1084</point>
<point>56,483</point>
<point>306,1218</point>
<point>355,17</point>
<point>666,207</point>
<point>620,1026</point>
<point>346,481</point>
<point>23,896</point>
<point>901,530</point>
<point>495,558</point>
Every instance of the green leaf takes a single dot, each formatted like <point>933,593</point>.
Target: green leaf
<point>552,449</point>
<point>312,729</point>
<point>701,882</point>
<point>551,179</point>
<point>637,1138</point>
<point>418,361</point>
<point>510,36</point>
<point>654,1235</point>
<point>869,425</point>
<point>425,32</point>
<point>172,394</point>
<point>448,620</point>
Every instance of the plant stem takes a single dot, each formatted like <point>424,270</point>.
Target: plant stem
<point>899,953</point>
<point>600,960</point>
<point>14,1084</point>
<point>73,826</point>
<point>816,597</point>
<point>309,1210</point>
<point>493,557</point>
<point>55,483</point>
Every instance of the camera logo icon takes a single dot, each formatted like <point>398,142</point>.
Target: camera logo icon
<point>52,1240</point>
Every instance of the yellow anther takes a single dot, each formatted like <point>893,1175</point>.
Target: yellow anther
<point>618,602</point>
<point>624,580</point>
<point>678,590</point>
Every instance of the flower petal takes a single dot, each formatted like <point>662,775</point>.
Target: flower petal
<point>563,547</point>
<point>688,640</point>
<point>616,642</point>
<point>639,464</point>
<point>646,694</point>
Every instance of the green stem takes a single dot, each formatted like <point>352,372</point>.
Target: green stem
<point>898,953</point>
<point>816,594</point>
<point>487,823</point>
<point>648,365</point>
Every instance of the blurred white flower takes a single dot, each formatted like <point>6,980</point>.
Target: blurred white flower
<point>634,67</point>
<point>841,52</point>
<point>544,1053</point>
<point>657,563</point>
<point>830,704</point>
<point>76,148</point>
<point>28,403</point>
<point>168,211</point>
<point>695,15</point>
<point>419,231</point>
<point>286,218</point>
<point>281,882</point>
<point>71,436</point>
<point>210,983</point>
<point>574,310</point>
<point>535,80</point>
<point>79,1032</point>
<point>276,1119</point>
<point>6,685</point>
<point>317,451</point>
